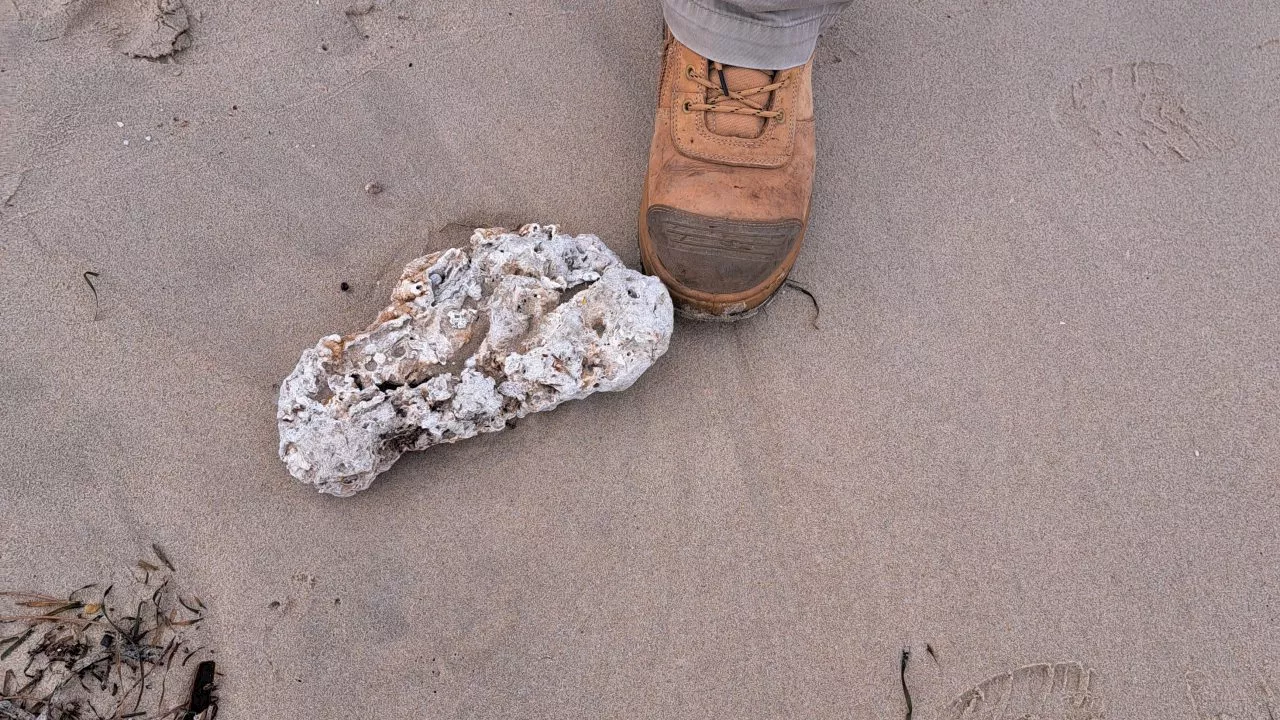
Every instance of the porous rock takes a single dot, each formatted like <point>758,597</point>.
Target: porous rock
<point>528,320</point>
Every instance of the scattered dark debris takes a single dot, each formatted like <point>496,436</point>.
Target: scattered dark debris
<point>86,275</point>
<point>929,649</point>
<point>902,676</point>
<point>95,655</point>
<point>324,47</point>
<point>273,605</point>
<point>345,286</point>
<point>817,311</point>
<point>373,188</point>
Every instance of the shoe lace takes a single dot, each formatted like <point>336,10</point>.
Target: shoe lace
<point>721,93</point>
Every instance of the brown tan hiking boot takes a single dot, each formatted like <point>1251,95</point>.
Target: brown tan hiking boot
<point>726,200</point>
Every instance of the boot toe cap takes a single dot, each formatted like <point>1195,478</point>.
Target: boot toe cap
<point>718,256</point>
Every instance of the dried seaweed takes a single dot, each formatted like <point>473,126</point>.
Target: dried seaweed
<point>202,688</point>
<point>163,558</point>
<point>14,645</point>
<point>86,274</point>
<point>902,676</point>
<point>817,310</point>
<point>79,657</point>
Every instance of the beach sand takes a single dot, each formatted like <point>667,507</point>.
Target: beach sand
<point>1037,421</point>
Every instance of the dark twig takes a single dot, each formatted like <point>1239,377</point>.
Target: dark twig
<point>817,311</point>
<point>902,675</point>
<point>14,646</point>
<point>929,649</point>
<point>201,690</point>
<point>190,654</point>
<point>93,289</point>
<point>37,618</point>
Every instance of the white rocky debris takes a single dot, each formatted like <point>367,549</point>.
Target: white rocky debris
<point>529,320</point>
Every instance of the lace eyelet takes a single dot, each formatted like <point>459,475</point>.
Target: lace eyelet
<point>688,71</point>
<point>780,117</point>
<point>688,106</point>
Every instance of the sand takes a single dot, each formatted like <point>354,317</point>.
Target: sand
<point>1037,421</point>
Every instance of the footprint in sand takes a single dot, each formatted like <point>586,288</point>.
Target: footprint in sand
<point>150,29</point>
<point>1139,111</point>
<point>1058,691</point>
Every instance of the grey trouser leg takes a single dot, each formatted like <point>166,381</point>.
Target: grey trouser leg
<point>764,34</point>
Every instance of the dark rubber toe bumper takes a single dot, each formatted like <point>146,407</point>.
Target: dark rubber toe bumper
<point>713,256</point>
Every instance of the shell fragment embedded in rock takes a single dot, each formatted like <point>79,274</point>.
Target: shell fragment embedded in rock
<point>529,320</point>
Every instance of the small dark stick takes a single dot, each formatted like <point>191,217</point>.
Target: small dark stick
<point>929,649</point>
<point>21,639</point>
<point>201,690</point>
<point>902,675</point>
<point>92,289</point>
<point>817,311</point>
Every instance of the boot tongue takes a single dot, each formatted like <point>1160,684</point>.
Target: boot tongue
<point>743,126</point>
